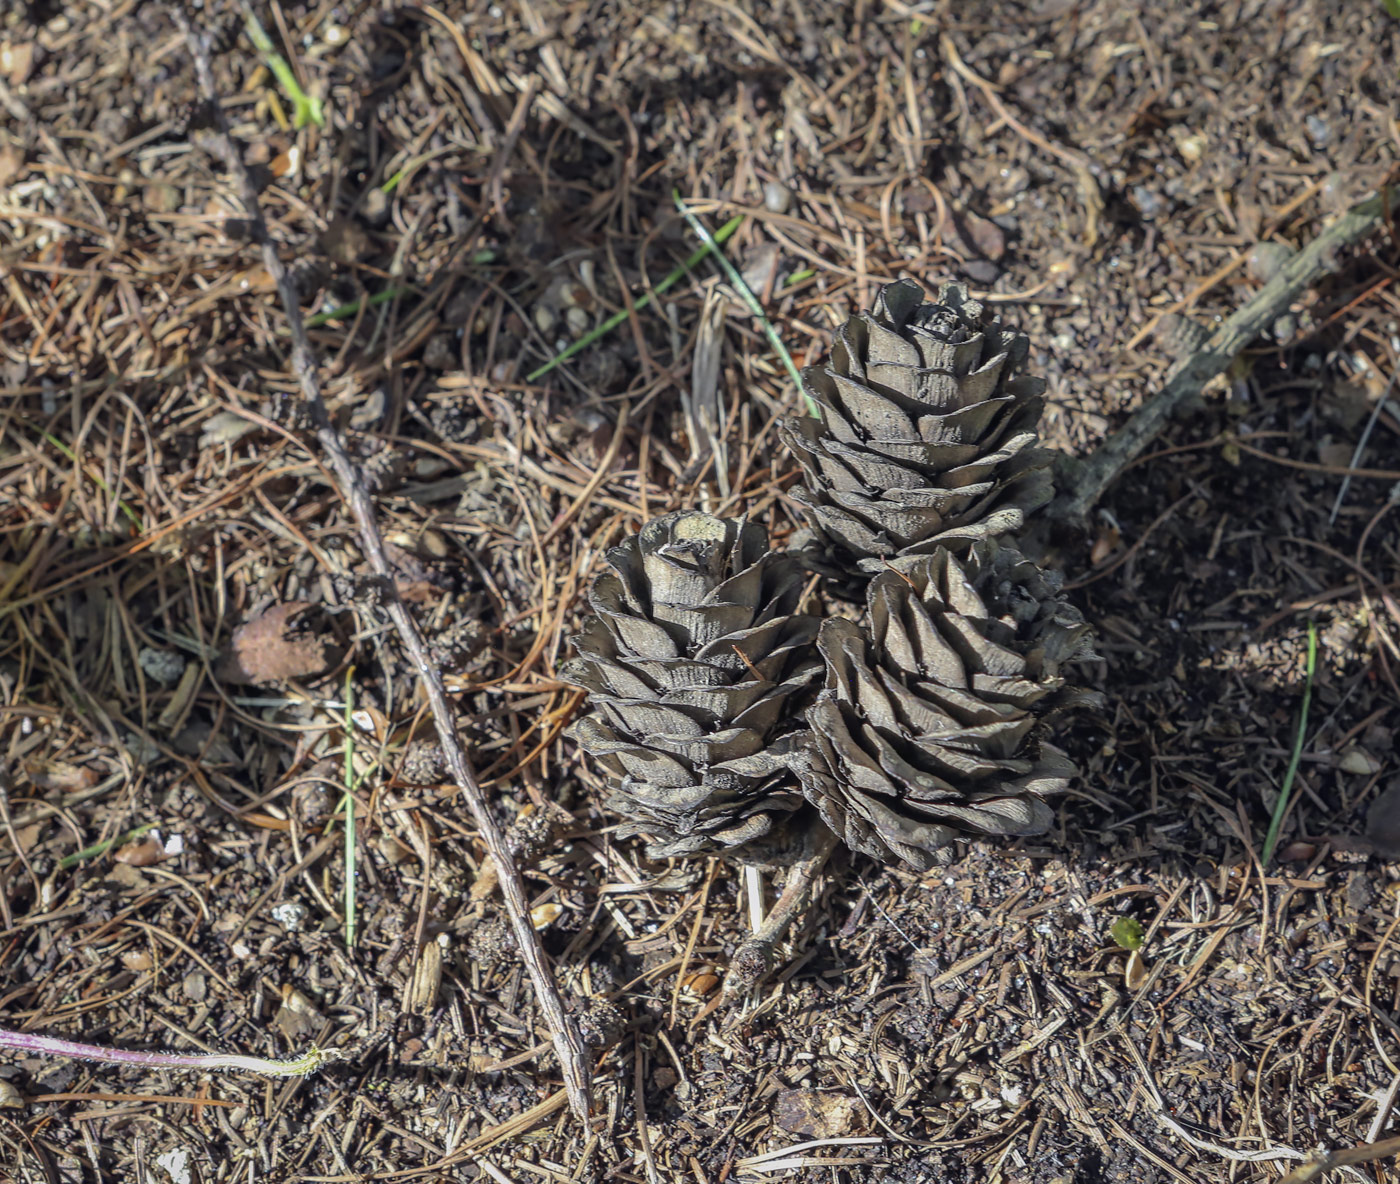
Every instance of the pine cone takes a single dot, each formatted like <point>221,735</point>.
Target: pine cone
<point>927,433</point>
<point>691,661</point>
<point>925,727</point>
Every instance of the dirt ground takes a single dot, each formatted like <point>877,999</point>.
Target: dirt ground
<point>489,184</point>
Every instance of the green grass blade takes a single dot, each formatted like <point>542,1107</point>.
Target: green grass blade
<point>131,514</point>
<point>750,299</point>
<point>720,236</point>
<point>103,847</point>
<point>343,312</point>
<point>1286,793</point>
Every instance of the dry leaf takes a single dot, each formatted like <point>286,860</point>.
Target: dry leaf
<point>422,993</point>
<point>11,163</point>
<point>227,427</point>
<point>544,915</point>
<point>16,61</point>
<point>298,1019</point>
<point>123,875</point>
<point>271,649</point>
<point>1108,541</point>
<point>345,240</point>
<point>1334,455</point>
<point>286,163</point>
<point>700,984</point>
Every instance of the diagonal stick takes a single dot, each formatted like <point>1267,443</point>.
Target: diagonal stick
<point>568,1043</point>
<point>1082,482</point>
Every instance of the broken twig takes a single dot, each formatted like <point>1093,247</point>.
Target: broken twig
<point>753,960</point>
<point>1083,482</point>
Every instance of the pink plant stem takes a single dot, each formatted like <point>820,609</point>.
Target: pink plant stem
<point>54,1046</point>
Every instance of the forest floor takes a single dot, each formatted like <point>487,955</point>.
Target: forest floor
<point>488,184</point>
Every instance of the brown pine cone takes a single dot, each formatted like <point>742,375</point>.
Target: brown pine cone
<point>926,436</point>
<point>927,726</point>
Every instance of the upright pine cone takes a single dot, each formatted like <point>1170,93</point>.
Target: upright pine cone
<point>926,436</point>
<point>925,728</point>
<point>692,663</point>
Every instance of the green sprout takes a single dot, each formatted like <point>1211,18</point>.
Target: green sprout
<point>1127,933</point>
<point>131,514</point>
<point>305,108</point>
<point>103,847</point>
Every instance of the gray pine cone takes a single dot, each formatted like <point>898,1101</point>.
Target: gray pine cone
<point>927,432</point>
<point>925,728</point>
<point>691,662</point>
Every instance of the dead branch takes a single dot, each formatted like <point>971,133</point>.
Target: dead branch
<point>568,1043</point>
<point>1083,482</point>
<point>1324,1162</point>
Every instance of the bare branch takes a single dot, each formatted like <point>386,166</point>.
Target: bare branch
<point>568,1043</point>
<point>1083,483</point>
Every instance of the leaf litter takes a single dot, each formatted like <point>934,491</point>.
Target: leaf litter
<point>969,1024</point>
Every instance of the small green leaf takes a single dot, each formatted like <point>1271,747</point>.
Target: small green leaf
<point>1392,7</point>
<point>1127,933</point>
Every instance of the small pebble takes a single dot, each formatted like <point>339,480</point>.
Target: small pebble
<point>1014,180</point>
<point>1318,130</point>
<point>374,209</point>
<point>441,352</point>
<point>290,914</point>
<point>777,197</point>
<point>164,666</point>
<point>1148,201</point>
<point>1334,195</point>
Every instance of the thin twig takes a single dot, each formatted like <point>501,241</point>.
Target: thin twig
<point>568,1042</point>
<point>1380,406</point>
<point>1084,483</point>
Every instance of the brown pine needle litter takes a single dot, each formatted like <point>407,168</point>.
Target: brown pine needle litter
<point>490,190</point>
